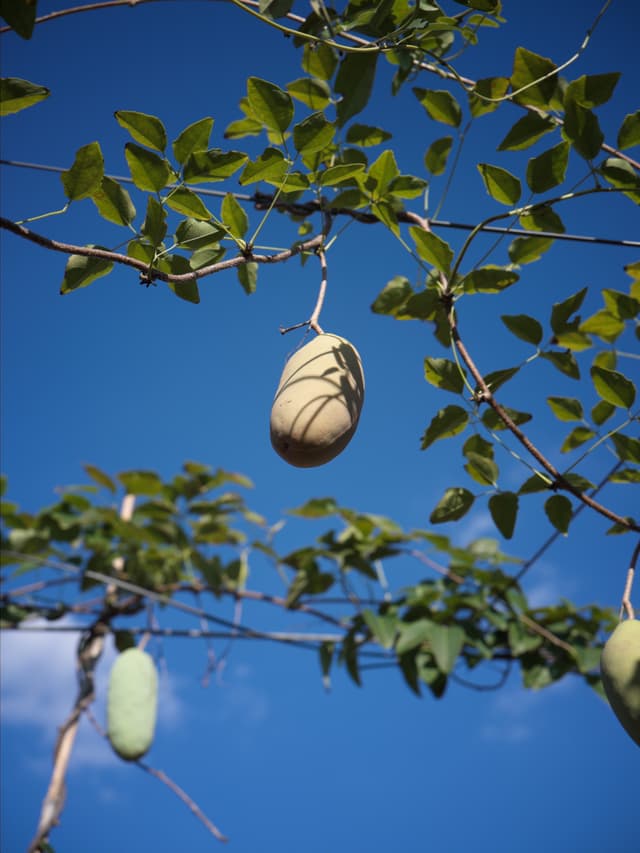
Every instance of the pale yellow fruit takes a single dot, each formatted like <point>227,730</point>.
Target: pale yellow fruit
<point>318,402</point>
<point>132,703</point>
<point>620,670</point>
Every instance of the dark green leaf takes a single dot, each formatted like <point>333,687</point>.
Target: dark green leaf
<point>155,223</point>
<point>481,468</point>
<point>576,438</point>
<point>621,304</point>
<point>548,169</point>
<point>629,133</point>
<point>100,477</point>
<point>248,276</point>
<point>485,95</point>
<point>562,311</point>
<point>522,641</point>
<point>627,448</point>
<point>185,201</point>
<point>582,129</point>
<point>542,218</point>
<point>312,92</point>
<point>337,174</point>
<point>535,75</point>
<point>604,324</point>
<point>188,289</point>
<point>443,374</point>
<point>195,137</point>
<point>407,186</point>
<point>393,296</point>
<point>435,160</point>
<point>526,131</point>
<point>525,250</point>
<point>365,135</point>
<point>565,362</point>
<point>626,475</point>
<point>566,408</point>
<point>432,248</point>
<point>271,165</point>
<point>440,105</point>
<point>194,234</point>
<point>84,178</point>
<point>500,184</point>
<point>455,503</point>
<point>497,378</point>
<point>601,412</point>
<point>613,387</point>
<point>319,60</point>
<point>386,214</point>
<point>212,165</point>
<point>114,202</point>
<point>592,90</point>
<point>504,511</point>
<point>448,422</point>
<point>313,133</point>
<point>493,422</point>
<point>536,483</point>
<point>149,171</point>
<point>270,104</point>
<point>243,127</point>
<point>234,216</point>
<point>141,482</point>
<point>559,512</point>
<point>579,482</point>
<point>17,94</point>
<point>489,279</point>
<point>81,271</point>
<point>524,327</point>
<point>21,16</point>
<point>354,82</point>
<point>144,128</point>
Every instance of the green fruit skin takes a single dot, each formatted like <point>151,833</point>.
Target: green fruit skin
<point>620,671</point>
<point>318,402</point>
<point>132,704</point>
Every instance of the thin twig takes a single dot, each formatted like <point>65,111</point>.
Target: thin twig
<point>626,595</point>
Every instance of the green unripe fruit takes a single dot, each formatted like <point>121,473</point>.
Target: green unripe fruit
<point>620,670</point>
<point>132,704</point>
<point>318,402</point>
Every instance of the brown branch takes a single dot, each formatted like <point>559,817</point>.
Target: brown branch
<point>151,273</point>
<point>486,396</point>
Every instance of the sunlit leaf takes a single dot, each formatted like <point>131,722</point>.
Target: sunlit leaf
<point>629,133</point>
<point>146,129</point>
<point>493,421</point>
<point>455,503</point>
<point>525,250</point>
<point>562,311</point>
<point>319,60</point>
<point>489,279</point>
<point>312,92</point>
<point>149,171</point>
<point>114,202</point>
<point>446,642</point>
<point>270,104</point>
<point>185,201</point>
<point>536,76</point>
<point>195,137</point>
<point>500,184</point>
<point>481,468</point>
<point>627,447</point>
<point>313,133</point>
<point>601,412</point>
<point>81,271</point>
<point>271,165</point>
<point>212,165</point>
<point>566,408</point>
<point>17,94</point>
<point>577,437</point>
<point>524,327</point>
<point>592,90</point>
<point>84,178</point>
<point>234,216</point>
<point>582,129</point>
<point>365,135</point>
<point>526,131</point>
<point>340,173</point>
<point>447,422</point>
<point>435,159</point>
<point>432,248</point>
<point>613,387</point>
<point>141,482</point>
<point>248,276</point>
<point>440,105</point>
<point>486,94</point>
<point>443,374</point>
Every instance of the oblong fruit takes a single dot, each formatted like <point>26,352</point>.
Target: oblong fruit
<point>132,703</point>
<point>620,671</point>
<point>318,402</point>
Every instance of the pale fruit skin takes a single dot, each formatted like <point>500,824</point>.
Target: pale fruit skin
<point>132,704</point>
<point>318,402</point>
<point>620,670</point>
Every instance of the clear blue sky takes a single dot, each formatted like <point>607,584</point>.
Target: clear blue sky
<point>128,377</point>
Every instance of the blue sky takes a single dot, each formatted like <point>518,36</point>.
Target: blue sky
<point>128,377</point>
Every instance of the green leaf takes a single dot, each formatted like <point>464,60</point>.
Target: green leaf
<point>522,641</point>
<point>592,90</point>
<point>526,131</point>
<point>114,202</point>
<point>316,508</point>
<point>601,412</point>
<point>21,16</point>
<point>579,482</point>
<point>542,218</point>
<point>576,438</point>
<point>234,216</point>
<point>489,279</point>
<point>627,448</point>
<point>626,475</point>
<point>448,422</point>
<point>195,137</point>
<point>548,169</point>
<point>455,503</point>
<point>606,358</point>
<point>354,82</point>
<point>212,165</point>
<point>561,311</point>
<point>84,178</point>
<point>382,172</point>
<point>155,223</point>
<point>500,184</point>
<point>100,477</point>
<point>440,105</point>
<point>524,327</point>
<point>338,174</point>
<point>146,129</point>
<point>407,186</point>
<point>141,482</point>
<point>559,512</point>
<point>613,387</point>
<point>629,133</point>
<point>81,271</point>
<point>17,94</point>
<point>313,134</point>
<point>582,129</point>
<point>481,469</point>
<point>319,60</point>
<point>185,201</point>
<point>270,104</point>
<point>411,635</point>
<point>493,422</point>
<point>312,92</point>
<point>187,290</point>
<point>432,248</point>
<point>525,250</point>
<point>386,214</point>
<point>243,127</point>
<point>622,175</point>
<point>487,88</point>
<point>478,445</point>
<point>565,362</point>
<point>621,304</point>
<point>271,165</point>
<point>443,374</point>
<point>604,324</point>
<point>536,483</point>
<point>392,296</point>
<point>536,75</point>
<point>566,408</point>
<point>504,511</point>
<point>365,135</point>
<point>446,642</point>
<point>382,626</point>
<point>248,276</point>
<point>497,378</point>
<point>195,234</point>
<point>149,171</point>
<point>435,159</point>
